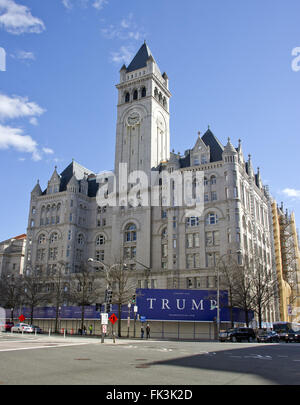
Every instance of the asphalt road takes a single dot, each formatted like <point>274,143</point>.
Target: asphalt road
<point>45,360</point>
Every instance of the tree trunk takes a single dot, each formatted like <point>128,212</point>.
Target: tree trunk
<point>56,319</point>
<point>31,314</point>
<point>82,317</point>
<point>119,320</point>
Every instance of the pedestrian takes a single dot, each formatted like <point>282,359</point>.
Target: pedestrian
<point>91,329</point>
<point>142,332</point>
<point>148,330</point>
<point>84,329</point>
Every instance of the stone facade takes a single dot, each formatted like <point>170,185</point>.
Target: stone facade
<point>12,252</point>
<point>163,246</point>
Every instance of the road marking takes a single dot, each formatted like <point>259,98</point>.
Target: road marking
<point>44,347</point>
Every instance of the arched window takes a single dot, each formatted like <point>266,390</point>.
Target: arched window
<point>53,237</point>
<point>100,240</point>
<point>213,179</point>
<point>144,92</point>
<point>80,239</point>
<point>130,233</point>
<point>211,218</point>
<point>135,95</point>
<point>127,97</point>
<point>42,239</point>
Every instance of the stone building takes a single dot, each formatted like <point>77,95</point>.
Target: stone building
<point>163,245</point>
<point>287,263</point>
<point>12,252</point>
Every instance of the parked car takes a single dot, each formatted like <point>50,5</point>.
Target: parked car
<point>238,335</point>
<point>223,335</point>
<point>6,327</point>
<point>33,329</point>
<point>19,327</point>
<point>268,337</point>
<point>293,336</point>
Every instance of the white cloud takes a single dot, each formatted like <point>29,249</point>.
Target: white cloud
<point>127,29</point>
<point>33,121</point>
<point>14,138</point>
<point>48,151</point>
<point>124,55</point>
<point>291,192</point>
<point>23,55</point>
<point>17,107</point>
<point>67,4</point>
<point>99,4</point>
<point>17,19</point>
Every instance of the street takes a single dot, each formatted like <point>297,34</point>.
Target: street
<point>54,360</point>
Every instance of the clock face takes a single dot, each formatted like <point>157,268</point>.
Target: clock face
<point>133,118</point>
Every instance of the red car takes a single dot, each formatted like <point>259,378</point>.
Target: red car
<point>6,327</point>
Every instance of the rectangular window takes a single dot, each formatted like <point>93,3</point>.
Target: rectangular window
<point>213,196</point>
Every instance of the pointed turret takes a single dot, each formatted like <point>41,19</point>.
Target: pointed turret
<point>229,153</point>
<point>54,183</point>
<point>37,191</point>
<point>216,148</point>
<point>141,58</point>
<point>240,153</point>
<point>249,167</point>
<point>73,185</point>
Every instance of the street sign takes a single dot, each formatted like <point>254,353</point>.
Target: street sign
<point>104,319</point>
<point>104,328</point>
<point>113,319</point>
<point>22,318</point>
<point>135,309</point>
<point>143,319</point>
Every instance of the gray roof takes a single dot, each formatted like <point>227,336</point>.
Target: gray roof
<point>140,59</point>
<point>216,148</point>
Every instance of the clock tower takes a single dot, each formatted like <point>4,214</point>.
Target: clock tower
<point>143,132</point>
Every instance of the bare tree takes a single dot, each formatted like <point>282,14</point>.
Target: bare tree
<point>84,288</point>
<point>10,291</point>
<point>119,279</point>
<point>32,290</point>
<point>263,287</point>
<point>228,267</point>
<point>58,289</point>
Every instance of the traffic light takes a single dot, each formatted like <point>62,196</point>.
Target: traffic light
<point>133,300</point>
<point>107,307</point>
<point>108,296</point>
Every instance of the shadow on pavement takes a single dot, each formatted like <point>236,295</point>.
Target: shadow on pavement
<point>278,363</point>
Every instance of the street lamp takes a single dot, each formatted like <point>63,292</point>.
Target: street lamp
<point>108,284</point>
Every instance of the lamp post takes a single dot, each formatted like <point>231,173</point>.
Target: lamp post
<point>108,284</point>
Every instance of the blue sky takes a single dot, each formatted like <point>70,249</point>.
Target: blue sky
<point>229,63</point>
